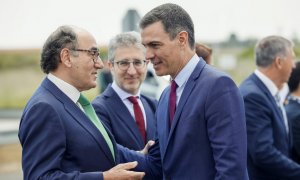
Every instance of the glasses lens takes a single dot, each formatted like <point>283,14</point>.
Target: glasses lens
<point>124,65</point>
<point>138,64</point>
<point>94,53</point>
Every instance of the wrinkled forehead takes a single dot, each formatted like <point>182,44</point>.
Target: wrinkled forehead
<point>86,39</point>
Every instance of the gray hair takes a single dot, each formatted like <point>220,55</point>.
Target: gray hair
<point>267,49</point>
<point>62,37</point>
<point>127,39</point>
<point>174,19</point>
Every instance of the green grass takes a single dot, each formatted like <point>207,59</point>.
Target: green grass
<point>17,86</point>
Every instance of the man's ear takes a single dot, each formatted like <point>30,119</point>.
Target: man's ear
<point>278,62</point>
<point>65,57</point>
<point>110,65</point>
<point>183,38</point>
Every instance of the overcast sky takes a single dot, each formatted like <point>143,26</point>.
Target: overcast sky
<point>27,23</point>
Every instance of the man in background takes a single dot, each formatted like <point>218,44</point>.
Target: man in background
<point>127,113</point>
<point>268,133</point>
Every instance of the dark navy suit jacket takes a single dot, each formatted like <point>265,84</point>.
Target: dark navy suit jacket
<point>60,142</point>
<point>113,112</point>
<point>293,114</point>
<point>207,139</point>
<point>268,142</point>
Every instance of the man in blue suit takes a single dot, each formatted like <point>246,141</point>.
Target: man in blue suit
<point>58,138</point>
<point>206,138</point>
<point>268,134</point>
<point>127,63</point>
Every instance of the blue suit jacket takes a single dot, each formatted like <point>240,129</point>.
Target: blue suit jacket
<point>60,142</point>
<point>207,139</point>
<point>293,114</point>
<point>113,112</point>
<point>268,141</point>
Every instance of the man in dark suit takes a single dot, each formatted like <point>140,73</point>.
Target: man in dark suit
<point>206,138</point>
<point>268,134</point>
<point>58,137</point>
<point>293,110</point>
<point>127,63</point>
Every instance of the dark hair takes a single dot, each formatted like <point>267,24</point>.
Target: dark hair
<point>294,78</point>
<point>267,49</point>
<point>174,19</point>
<point>62,37</point>
<point>203,51</point>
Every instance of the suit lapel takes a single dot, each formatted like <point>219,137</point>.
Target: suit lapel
<point>80,117</point>
<point>149,118</point>
<point>265,90</point>
<point>162,120</point>
<point>123,113</point>
<point>184,96</point>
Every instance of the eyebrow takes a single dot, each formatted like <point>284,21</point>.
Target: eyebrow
<point>153,43</point>
<point>95,49</point>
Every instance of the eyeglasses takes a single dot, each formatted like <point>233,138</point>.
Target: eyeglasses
<point>94,53</point>
<point>124,64</point>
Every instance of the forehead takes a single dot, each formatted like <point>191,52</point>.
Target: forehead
<point>86,40</point>
<point>154,33</point>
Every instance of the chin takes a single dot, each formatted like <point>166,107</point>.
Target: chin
<point>131,89</point>
<point>93,85</point>
<point>160,73</point>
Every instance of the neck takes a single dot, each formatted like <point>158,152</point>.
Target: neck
<point>185,58</point>
<point>272,74</point>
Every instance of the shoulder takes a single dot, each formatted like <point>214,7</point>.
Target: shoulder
<point>215,80</point>
<point>249,86</point>
<point>104,97</point>
<point>151,101</point>
<point>293,105</point>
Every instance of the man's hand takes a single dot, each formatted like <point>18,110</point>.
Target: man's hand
<point>147,146</point>
<point>120,172</point>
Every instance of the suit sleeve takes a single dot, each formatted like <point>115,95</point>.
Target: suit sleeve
<point>44,143</point>
<point>226,127</point>
<point>150,164</point>
<point>260,140</point>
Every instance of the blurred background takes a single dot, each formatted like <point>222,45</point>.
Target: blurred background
<point>231,28</point>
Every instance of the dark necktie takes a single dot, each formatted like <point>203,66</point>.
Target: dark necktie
<point>139,118</point>
<point>90,112</point>
<point>172,101</point>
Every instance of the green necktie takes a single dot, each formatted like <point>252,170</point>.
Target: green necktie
<point>90,112</point>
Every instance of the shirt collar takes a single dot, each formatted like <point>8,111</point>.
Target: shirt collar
<point>121,93</point>
<point>186,72</point>
<point>65,87</point>
<point>267,82</point>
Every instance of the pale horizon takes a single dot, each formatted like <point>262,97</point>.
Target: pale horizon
<point>27,23</point>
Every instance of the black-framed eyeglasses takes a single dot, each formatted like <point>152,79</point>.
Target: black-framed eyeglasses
<point>125,64</point>
<point>95,53</point>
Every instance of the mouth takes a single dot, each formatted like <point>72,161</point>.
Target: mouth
<point>95,74</point>
<point>156,63</point>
